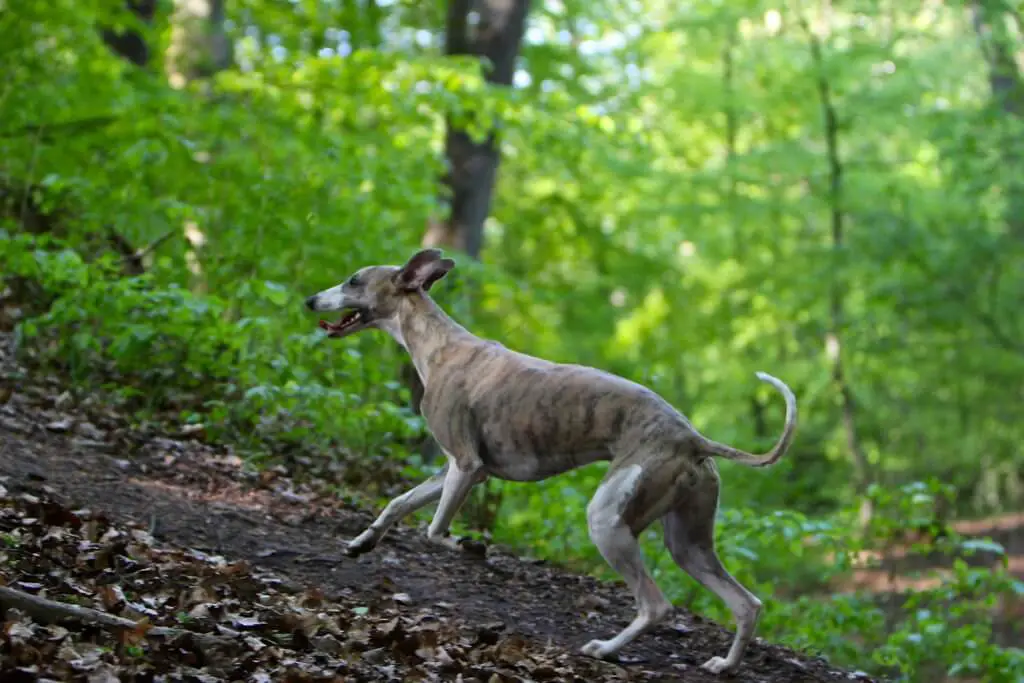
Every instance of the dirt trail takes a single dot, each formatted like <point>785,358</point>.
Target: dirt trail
<point>195,496</point>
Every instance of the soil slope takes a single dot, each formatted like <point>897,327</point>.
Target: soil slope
<point>407,611</point>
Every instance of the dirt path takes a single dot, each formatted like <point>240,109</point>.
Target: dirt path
<point>194,496</point>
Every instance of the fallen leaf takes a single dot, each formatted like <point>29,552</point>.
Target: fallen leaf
<point>112,598</point>
<point>55,633</point>
<point>59,425</point>
<point>137,634</point>
<point>18,632</point>
<point>327,643</point>
<point>590,602</point>
<point>248,623</point>
<point>376,655</point>
<point>90,431</point>
<point>104,673</point>
<point>254,643</point>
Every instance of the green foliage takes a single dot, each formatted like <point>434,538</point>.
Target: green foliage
<point>948,630</point>
<point>664,210</point>
<point>166,348</point>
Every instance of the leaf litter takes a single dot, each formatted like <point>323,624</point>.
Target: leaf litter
<point>274,630</point>
<point>204,568</point>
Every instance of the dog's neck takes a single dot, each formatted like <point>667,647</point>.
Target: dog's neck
<point>423,328</point>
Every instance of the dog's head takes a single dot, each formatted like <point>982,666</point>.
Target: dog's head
<point>372,295</point>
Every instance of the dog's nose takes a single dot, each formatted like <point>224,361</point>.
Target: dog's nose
<point>311,303</point>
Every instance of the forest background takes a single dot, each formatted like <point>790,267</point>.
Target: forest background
<point>682,193</point>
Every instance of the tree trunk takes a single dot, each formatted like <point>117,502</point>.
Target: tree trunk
<point>472,167</point>
<point>199,47</point>
<point>990,22</point>
<point>484,28</point>
<point>991,19</point>
<point>130,44</point>
<point>836,306</point>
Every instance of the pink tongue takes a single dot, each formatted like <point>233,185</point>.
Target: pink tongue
<point>324,325</point>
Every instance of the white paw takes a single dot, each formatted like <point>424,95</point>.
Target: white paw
<point>362,543</point>
<point>443,541</point>
<point>717,665</point>
<point>662,612</point>
<point>599,649</point>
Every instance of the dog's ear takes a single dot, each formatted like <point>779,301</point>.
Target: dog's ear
<point>422,270</point>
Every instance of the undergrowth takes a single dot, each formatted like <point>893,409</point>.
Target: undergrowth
<point>166,353</point>
<point>269,382</point>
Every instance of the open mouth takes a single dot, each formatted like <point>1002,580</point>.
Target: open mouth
<point>350,322</point>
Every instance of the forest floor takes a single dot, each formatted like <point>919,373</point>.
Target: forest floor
<point>168,531</point>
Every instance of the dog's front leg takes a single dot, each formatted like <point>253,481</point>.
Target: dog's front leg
<point>419,496</point>
<point>457,485</point>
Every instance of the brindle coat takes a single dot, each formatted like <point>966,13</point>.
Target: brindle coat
<point>497,412</point>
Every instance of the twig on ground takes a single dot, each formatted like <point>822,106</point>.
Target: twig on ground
<point>50,611</point>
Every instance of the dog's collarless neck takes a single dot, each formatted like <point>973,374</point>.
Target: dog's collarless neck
<point>425,329</point>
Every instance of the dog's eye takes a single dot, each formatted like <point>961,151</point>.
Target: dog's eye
<point>354,281</point>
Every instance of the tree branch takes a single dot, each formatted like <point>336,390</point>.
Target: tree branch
<point>51,611</point>
<point>145,251</point>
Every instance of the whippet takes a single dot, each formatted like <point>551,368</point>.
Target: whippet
<point>496,412</point>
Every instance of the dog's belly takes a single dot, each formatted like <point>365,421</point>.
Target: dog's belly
<point>532,467</point>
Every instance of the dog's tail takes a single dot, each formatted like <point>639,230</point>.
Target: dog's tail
<point>781,446</point>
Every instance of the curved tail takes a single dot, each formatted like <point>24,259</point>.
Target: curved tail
<point>781,446</point>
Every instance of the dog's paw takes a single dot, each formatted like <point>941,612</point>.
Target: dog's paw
<point>717,665</point>
<point>598,649</point>
<point>443,541</point>
<point>359,545</point>
<point>474,548</point>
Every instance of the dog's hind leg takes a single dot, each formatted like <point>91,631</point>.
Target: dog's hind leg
<point>417,497</point>
<point>619,547</point>
<point>690,538</point>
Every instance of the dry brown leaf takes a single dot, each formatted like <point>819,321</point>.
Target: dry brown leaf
<point>441,654</point>
<point>111,597</point>
<point>77,587</point>
<point>254,643</point>
<point>136,635</point>
<point>327,643</point>
<point>358,637</point>
<point>59,425</point>
<point>250,623</point>
<point>104,673</point>
<point>18,632</point>
<point>56,633</point>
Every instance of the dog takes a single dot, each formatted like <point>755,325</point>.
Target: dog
<point>499,413</point>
